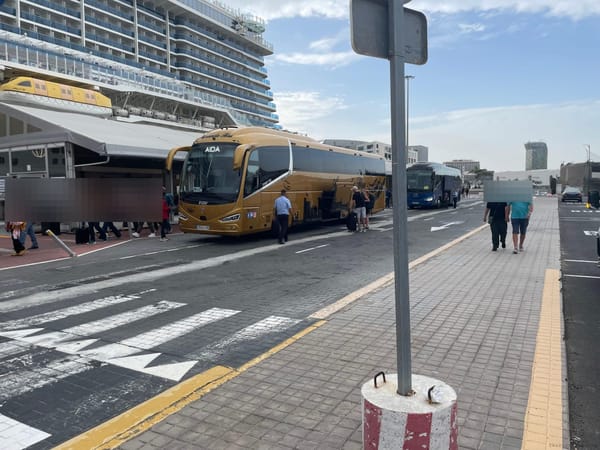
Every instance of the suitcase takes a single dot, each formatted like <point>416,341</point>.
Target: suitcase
<point>352,221</point>
<point>82,235</point>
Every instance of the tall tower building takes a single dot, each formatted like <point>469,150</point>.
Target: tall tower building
<point>536,155</point>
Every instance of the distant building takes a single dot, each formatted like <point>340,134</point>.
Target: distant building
<point>415,153</point>
<point>422,152</point>
<point>464,165</point>
<point>536,155</point>
<point>378,148</point>
<point>345,143</point>
<point>583,175</point>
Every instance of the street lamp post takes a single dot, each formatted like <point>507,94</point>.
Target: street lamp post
<point>588,170</point>
<point>407,78</point>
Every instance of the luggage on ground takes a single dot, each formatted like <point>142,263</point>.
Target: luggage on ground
<point>82,235</point>
<point>352,221</point>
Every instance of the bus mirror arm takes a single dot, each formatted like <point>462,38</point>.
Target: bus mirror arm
<point>171,156</point>
<point>238,155</point>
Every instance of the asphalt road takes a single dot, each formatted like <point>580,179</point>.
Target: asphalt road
<point>84,340</point>
<point>581,300</point>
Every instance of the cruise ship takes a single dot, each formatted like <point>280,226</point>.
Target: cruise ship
<point>165,71</point>
<point>197,60</point>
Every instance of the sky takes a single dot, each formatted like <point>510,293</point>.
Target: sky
<point>500,73</point>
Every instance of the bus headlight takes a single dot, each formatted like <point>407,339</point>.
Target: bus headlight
<point>429,199</point>
<point>231,218</point>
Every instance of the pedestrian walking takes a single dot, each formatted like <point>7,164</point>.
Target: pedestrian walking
<point>388,198</point>
<point>95,226</point>
<point>357,205</point>
<point>496,215</point>
<point>15,229</point>
<point>283,209</point>
<point>113,228</point>
<point>454,198</point>
<point>369,200</point>
<point>520,213</point>
<point>29,231</point>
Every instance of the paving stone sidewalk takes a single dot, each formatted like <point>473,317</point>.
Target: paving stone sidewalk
<point>474,320</point>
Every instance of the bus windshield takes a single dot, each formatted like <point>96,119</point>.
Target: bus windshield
<point>208,176</point>
<point>419,180</point>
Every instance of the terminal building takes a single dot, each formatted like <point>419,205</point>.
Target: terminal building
<point>170,71</point>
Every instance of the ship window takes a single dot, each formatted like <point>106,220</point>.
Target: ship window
<point>25,83</point>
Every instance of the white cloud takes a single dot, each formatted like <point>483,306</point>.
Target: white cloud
<point>301,111</point>
<point>471,27</point>
<point>493,136</point>
<point>496,136</point>
<point>280,9</point>
<point>333,60</point>
<point>338,9</point>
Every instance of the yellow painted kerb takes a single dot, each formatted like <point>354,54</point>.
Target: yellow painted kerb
<point>141,418</point>
<point>543,427</point>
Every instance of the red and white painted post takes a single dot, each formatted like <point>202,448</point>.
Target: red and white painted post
<point>392,421</point>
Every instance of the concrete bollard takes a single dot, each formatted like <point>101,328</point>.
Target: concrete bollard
<point>394,421</point>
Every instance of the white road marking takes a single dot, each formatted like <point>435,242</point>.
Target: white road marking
<point>312,248</point>
<point>41,298</point>
<point>582,276</point>
<point>158,336</point>
<point>31,321</point>
<point>580,261</point>
<point>54,338</point>
<point>591,233</point>
<point>114,353</point>
<point>22,381</point>
<point>16,435</point>
<point>446,225</point>
<point>271,324</point>
<point>185,247</point>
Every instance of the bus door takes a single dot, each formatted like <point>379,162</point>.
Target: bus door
<point>265,167</point>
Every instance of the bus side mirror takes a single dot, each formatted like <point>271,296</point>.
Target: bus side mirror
<point>238,155</point>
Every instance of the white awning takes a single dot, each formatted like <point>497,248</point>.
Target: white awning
<point>101,135</point>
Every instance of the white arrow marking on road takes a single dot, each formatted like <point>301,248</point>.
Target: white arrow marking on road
<point>443,227</point>
<point>591,233</point>
<point>174,371</point>
<point>16,435</point>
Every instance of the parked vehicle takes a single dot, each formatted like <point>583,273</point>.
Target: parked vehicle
<point>572,194</point>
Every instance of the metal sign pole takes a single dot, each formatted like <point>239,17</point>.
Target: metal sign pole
<point>396,58</point>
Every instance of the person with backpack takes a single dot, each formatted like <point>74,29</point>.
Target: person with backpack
<point>357,205</point>
<point>15,229</point>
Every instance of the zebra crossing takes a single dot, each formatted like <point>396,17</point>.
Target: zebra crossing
<point>37,353</point>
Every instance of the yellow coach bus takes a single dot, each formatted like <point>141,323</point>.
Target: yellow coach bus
<point>231,177</point>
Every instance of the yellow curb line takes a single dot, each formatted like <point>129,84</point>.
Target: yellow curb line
<point>383,281</point>
<point>543,425</point>
<point>141,418</point>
